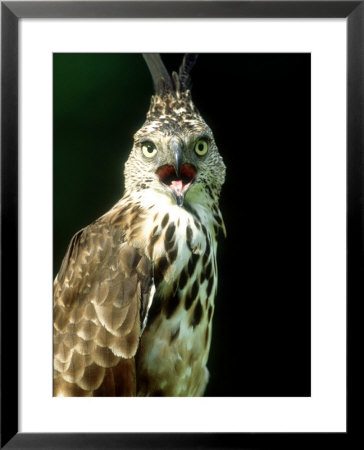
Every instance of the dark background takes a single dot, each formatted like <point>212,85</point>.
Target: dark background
<point>258,106</point>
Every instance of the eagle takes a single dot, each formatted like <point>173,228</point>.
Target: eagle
<point>134,296</point>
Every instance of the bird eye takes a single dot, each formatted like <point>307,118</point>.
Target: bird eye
<point>201,147</point>
<point>149,149</point>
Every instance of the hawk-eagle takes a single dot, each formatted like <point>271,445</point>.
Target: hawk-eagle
<point>134,297</point>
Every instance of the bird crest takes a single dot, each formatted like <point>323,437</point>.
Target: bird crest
<point>172,99</point>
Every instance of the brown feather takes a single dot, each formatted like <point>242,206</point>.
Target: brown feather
<point>92,377</point>
<point>125,378</point>
<point>99,301</point>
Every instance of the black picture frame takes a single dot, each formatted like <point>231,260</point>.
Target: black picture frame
<point>11,12</point>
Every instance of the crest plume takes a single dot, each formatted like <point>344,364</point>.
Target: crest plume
<point>163,82</point>
<point>172,97</point>
<point>188,62</point>
<point>161,78</point>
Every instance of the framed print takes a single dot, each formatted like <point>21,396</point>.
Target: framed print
<point>279,85</point>
<point>270,77</point>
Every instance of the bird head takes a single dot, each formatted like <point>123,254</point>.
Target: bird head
<point>174,153</point>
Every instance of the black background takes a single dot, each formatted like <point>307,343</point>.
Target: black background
<point>258,106</point>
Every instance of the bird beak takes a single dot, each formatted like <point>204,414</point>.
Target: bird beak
<point>177,177</point>
<point>177,155</point>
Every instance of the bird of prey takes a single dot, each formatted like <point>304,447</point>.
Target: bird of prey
<point>134,297</point>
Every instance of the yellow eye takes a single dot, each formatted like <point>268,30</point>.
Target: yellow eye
<point>201,147</point>
<point>149,149</point>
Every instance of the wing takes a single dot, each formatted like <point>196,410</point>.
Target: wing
<point>102,295</point>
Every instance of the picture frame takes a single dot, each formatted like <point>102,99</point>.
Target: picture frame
<point>11,12</point>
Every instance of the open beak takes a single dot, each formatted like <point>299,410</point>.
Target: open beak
<point>177,178</point>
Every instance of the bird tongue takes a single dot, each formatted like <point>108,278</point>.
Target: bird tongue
<point>177,186</point>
